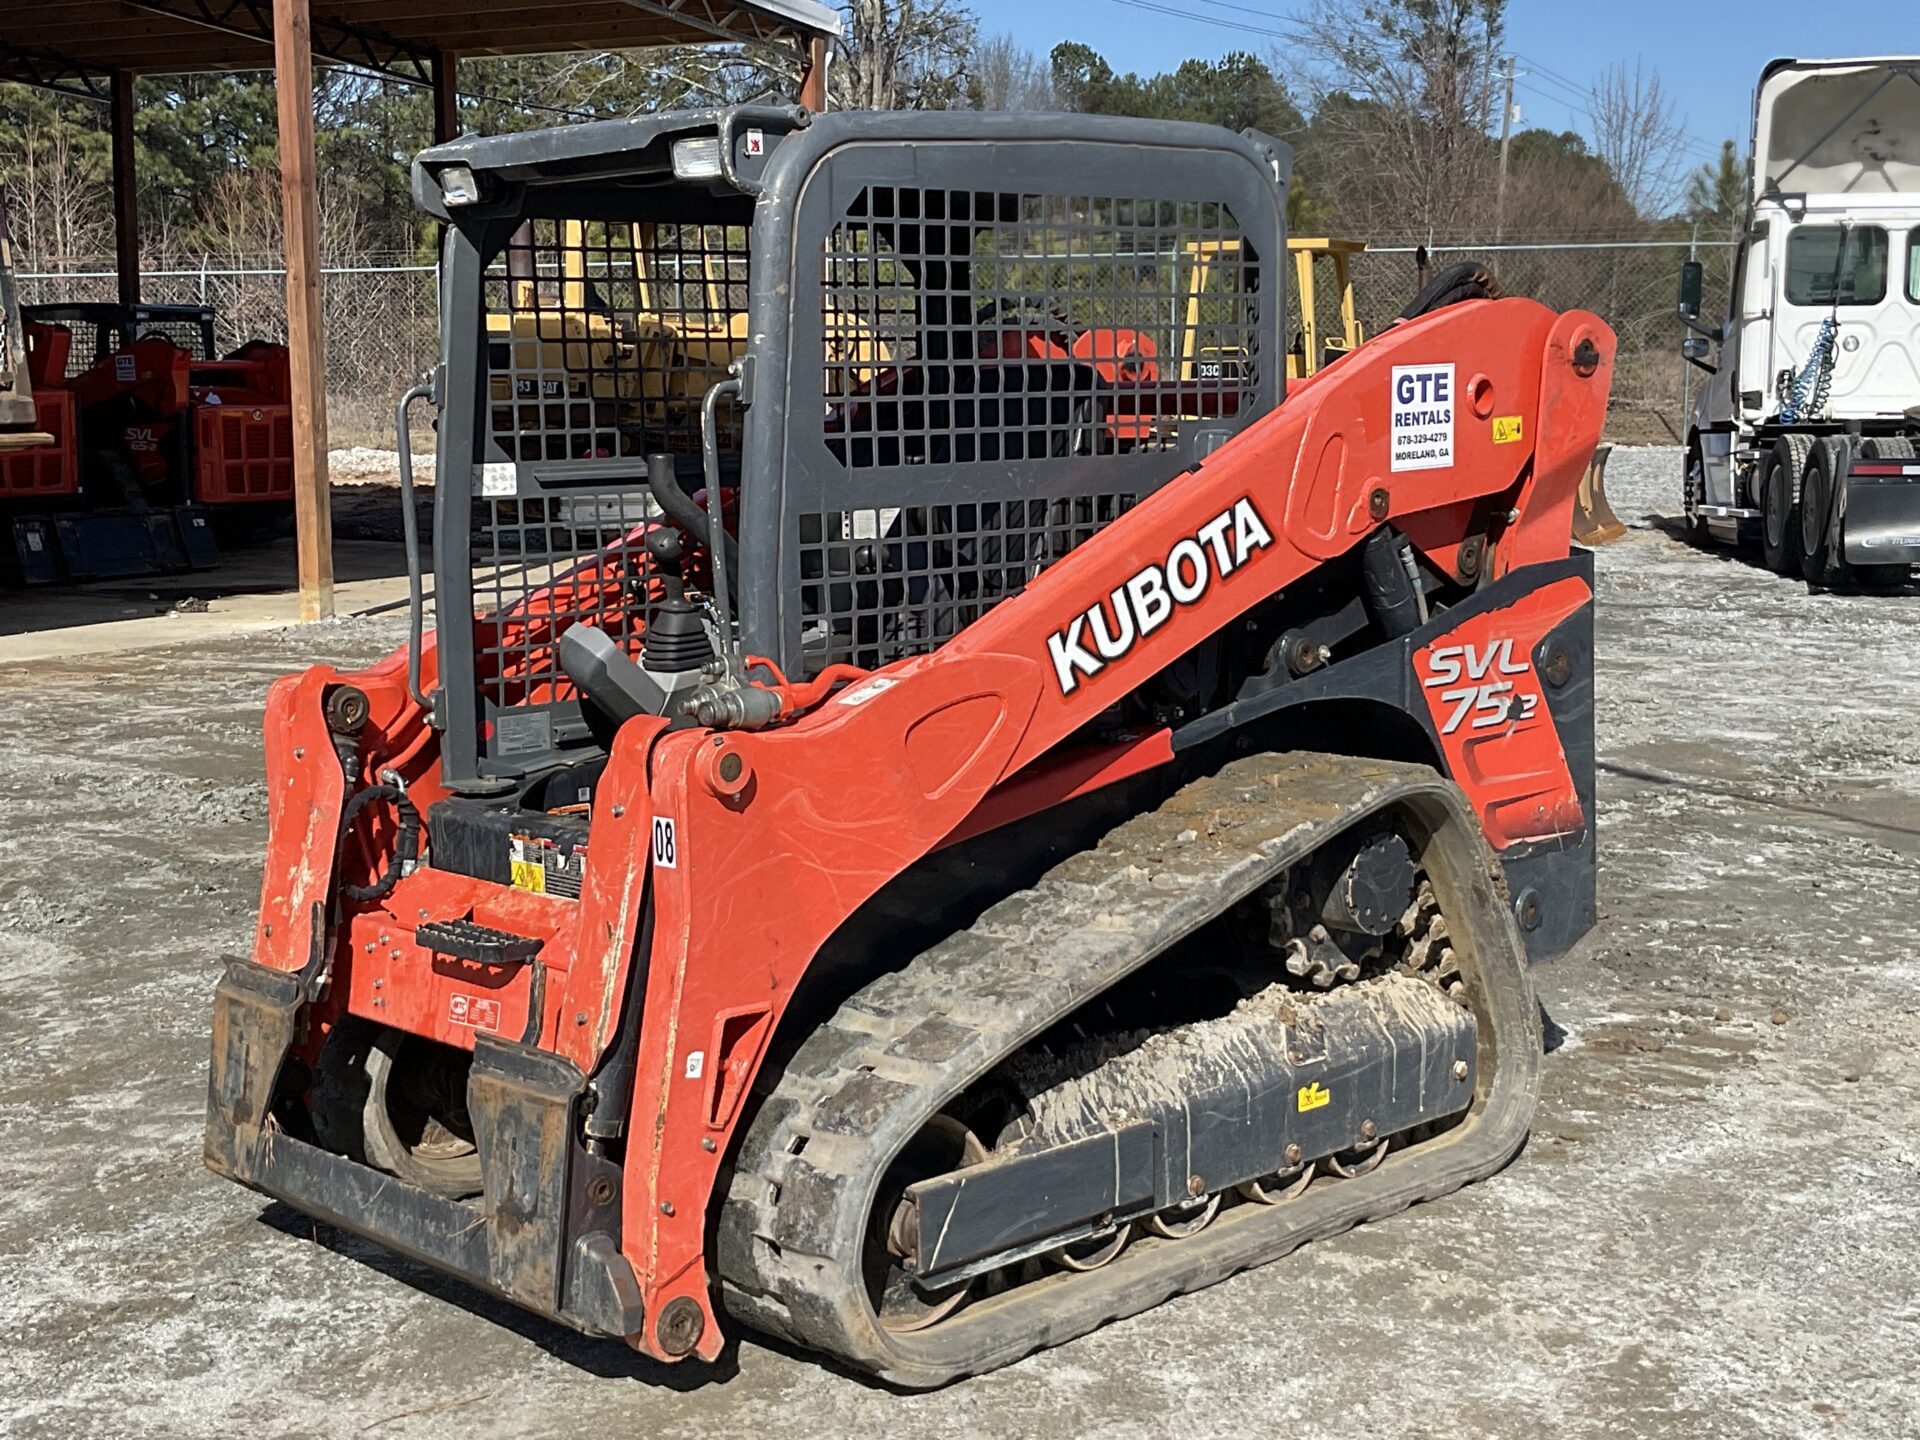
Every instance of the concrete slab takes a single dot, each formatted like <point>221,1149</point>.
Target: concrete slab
<point>251,590</point>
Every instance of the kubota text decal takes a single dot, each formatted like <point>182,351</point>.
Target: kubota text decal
<point>1109,628</point>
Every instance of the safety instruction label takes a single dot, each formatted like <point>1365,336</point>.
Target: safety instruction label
<point>1422,417</point>
<point>480,1012</point>
<point>537,865</point>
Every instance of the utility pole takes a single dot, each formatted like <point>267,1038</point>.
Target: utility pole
<point>1506,136</point>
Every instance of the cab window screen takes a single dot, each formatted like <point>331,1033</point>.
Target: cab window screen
<point>1821,272</point>
<point>1913,264</point>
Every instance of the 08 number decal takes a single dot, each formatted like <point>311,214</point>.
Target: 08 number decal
<point>666,844</point>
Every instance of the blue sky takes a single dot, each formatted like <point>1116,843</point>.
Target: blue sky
<point>1708,52</point>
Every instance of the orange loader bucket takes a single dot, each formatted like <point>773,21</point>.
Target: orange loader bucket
<point>1594,522</point>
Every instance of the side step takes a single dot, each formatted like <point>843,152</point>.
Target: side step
<point>466,940</point>
<point>792,1233</point>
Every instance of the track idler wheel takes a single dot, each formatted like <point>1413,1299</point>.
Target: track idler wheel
<point>1278,1188</point>
<point>1361,1160</point>
<point>902,1304</point>
<point>1185,1220</point>
<point>1091,1253</point>
<point>398,1102</point>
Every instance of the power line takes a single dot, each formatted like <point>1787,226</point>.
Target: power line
<point>1571,93</point>
<point>1572,96</point>
<point>1180,14</point>
<point>1298,26</point>
<point>1547,71</point>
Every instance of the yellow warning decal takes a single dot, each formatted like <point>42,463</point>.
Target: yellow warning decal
<point>529,875</point>
<point>1313,1096</point>
<point>1506,429</point>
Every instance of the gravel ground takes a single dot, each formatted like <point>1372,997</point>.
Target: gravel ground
<point>1715,1231</point>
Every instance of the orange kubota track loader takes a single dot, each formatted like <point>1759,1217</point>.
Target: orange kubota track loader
<point>963,850</point>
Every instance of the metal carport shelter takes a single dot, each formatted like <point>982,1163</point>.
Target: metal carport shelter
<point>95,48</point>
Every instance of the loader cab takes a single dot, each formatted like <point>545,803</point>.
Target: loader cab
<point>961,344</point>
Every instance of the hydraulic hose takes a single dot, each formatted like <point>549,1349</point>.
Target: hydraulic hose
<point>1469,280</point>
<point>663,483</point>
<point>716,512</point>
<point>406,844</point>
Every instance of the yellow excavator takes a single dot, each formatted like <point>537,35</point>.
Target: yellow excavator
<point>1210,268</point>
<point>563,360</point>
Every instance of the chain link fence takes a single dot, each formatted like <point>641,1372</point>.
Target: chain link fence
<point>381,315</point>
<point>1632,285</point>
<point>382,322</point>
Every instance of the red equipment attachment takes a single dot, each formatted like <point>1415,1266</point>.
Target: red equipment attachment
<point>243,427</point>
<point>239,410</point>
<point>42,471</point>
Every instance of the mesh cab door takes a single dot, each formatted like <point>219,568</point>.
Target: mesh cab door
<point>997,349</point>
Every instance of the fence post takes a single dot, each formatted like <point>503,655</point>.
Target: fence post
<point>1686,369</point>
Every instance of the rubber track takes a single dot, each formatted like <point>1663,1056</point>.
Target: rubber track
<point>793,1225</point>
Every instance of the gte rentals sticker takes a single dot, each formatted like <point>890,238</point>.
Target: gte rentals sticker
<point>1422,417</point>
<point>1109,628</point>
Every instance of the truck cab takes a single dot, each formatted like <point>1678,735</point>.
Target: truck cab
<point>1821,336</point>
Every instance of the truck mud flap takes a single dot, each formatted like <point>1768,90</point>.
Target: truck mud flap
<point>516,1240</point>
<point>1882,514</point>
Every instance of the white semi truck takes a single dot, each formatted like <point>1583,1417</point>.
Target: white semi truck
<point>1803,439</point>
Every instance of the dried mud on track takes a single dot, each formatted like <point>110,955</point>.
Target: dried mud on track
<point>1715,1230</point>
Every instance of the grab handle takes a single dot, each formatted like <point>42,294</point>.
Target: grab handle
<point>425,389</point>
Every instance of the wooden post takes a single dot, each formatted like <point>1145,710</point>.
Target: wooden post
<point>446,96</point>
<point>813,75</point>
<point>126,197</point>
<point>306,335</point>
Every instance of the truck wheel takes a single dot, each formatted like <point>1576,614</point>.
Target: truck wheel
<point>1780,504</point>
<point>1820,562</point>
<point>1693,497</point>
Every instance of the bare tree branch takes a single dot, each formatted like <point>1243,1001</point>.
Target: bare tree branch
<point>903,55</point>
<point>1637,131</point>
